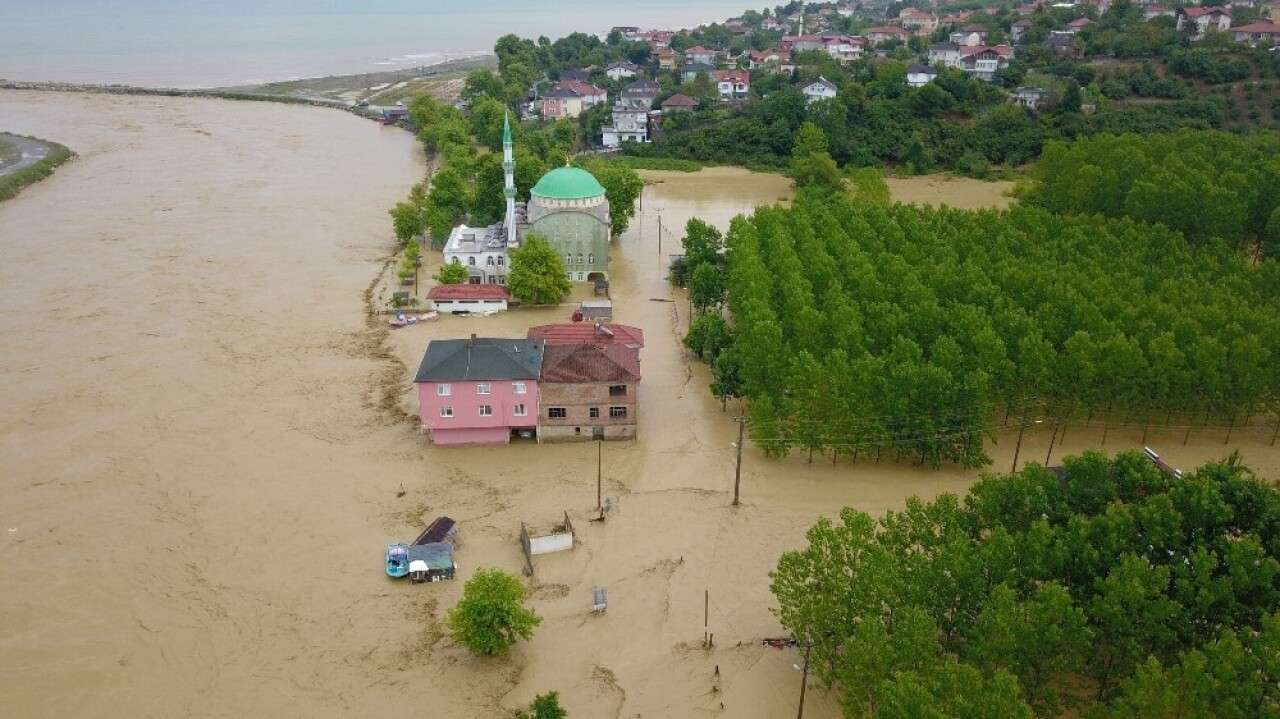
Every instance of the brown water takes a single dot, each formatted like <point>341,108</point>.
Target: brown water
<point>205,443</point>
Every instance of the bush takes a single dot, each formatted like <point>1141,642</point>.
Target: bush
<point>974,164</point>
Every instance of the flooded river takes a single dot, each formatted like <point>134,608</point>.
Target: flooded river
<point>207,443</point>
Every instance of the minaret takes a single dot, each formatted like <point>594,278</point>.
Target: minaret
<point>509,174</point>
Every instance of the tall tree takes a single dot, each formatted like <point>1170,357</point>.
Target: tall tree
<point>491,616</point>
<point>537,274</point>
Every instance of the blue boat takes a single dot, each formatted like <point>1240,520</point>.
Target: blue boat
<point>397,560</point>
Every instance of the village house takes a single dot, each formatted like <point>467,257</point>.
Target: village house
<point>883,34</point>
<point>732,84</point>
<point>679,103</point>
<point>920,75</point>
<point>700,54</point>
<point>970,35</point>
<point>666,59</point>
<point>657,39</point>
<point>468,298</point>
<point>628,32</point>
<point>918,21</point>
<point>480,390</point>
<point>1017,28</point>
<point>768,60</point>
<point>1258,33</point>
<point>640,94</point>
<point>582,74</point>
<point>1150,12</point>
<point>980,61</point>
<point>482,250</point>
<point>772,24</point>
<point>1205,19</point>
<point>842,48</point>
<point>621,69</point>
<point>1079,24</point>
<point>630,124</point>
<point>568,98</point>
<point>691,70</point>
<point>820,89</point>
<point>1031,98</point>
<point>589,382</point>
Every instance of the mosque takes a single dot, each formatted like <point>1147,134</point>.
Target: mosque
<point>567,206</point>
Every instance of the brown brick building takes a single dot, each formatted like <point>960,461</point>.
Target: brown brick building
<point>589,383</point>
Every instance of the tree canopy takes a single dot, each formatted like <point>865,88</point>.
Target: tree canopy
<point>491,616</point>
<point>1160,591</point>
<point>537,274</point>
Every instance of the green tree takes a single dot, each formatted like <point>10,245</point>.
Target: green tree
<point>622,186</point>
<point>448,201</point>
<point>491,616</point>
<point>408,219</point>
<point>452,273</point>
<point>537,274</point>
<point>545,706</point>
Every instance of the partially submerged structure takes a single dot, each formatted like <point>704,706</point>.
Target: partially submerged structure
<point>544,540</point>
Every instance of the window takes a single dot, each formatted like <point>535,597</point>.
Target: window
<point>444,390</point>
<point>581,277</point>
<point>595,413</point>
<point>518,388</point>
<point>446,411</point>
<point>456,261</point>
<point>618,390</point>
<point>520,411</point>
<point>618,412</point>
<point>502,280</point>
<point>471,261</point>
<point>501,261</point>
<point>556,413</point>
<point>568,258</point>
<point>486,410</point>
<point>568,276</point>
<point>579,258</point>
<point>490,261</point>
<point>591,258</point>
<point>482,388</point>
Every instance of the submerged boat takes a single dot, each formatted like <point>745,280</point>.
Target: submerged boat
<point>397,560</point>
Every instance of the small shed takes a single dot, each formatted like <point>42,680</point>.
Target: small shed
<point>431,562</point>
<point>597,311</point>
<point>443,529</point>
<point>468,299</point>
<point>602,288</point>
<point>544,540</point>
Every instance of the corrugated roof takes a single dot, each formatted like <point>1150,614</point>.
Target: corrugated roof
<point>591,363</point>
<point>468,292</point>
<point>586,332</point>
<point>479,359</point>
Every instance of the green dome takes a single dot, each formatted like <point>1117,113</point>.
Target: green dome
<point>568,183</point>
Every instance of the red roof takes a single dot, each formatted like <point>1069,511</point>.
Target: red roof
<point>1259,27</point>
<point>586,332</point>
<point>1198,11</point>
<point>732,76</point>
<point>468,292</point>
<point>679,100</point>
<point>590,363</point>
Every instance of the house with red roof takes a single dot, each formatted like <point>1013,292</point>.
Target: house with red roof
<point>700,54</point>
<point>1205,20</point>
<point>1258,33</point>
<point>568,98</point>
<point>678,102</point>
<point>468,298</point>
<point>666,58</point>
<point>918,21</point>
<point>732,84</point>
<point>589,383</point>
<point>877,35</point>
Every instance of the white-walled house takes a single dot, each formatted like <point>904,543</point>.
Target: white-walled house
<point>920,75</point>
<point>820,89</point>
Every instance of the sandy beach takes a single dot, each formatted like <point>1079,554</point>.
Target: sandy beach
<point>209,441</point>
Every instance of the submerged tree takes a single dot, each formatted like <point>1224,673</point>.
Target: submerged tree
<point>491,616</point>
<point>537,273</point>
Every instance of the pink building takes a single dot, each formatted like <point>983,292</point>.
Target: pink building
<point>479,390</point>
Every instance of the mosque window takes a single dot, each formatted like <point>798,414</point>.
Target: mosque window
<point>568,258</point>
<point>471,261</point>
<point>579,258</point>
<point>591,258</point>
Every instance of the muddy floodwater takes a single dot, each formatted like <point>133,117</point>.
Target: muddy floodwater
<point>207,442</point>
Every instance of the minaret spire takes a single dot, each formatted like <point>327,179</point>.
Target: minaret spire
<point>509,175</point>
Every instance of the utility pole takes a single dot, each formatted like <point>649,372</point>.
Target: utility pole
<point>599,474</point>
<point>1022,427</point>
<point>1052,437</point>
<point>737,472</point>
<point>804,682</point>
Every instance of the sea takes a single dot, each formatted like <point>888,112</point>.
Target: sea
<point>221,43</point>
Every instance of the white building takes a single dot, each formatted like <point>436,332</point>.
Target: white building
<point>920,75</point>
<point>820,89</point>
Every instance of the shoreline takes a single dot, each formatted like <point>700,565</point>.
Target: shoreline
<point>327,90</point>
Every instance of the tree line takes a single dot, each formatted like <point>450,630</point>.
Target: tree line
<point>862,327</point>
<point>1111,587</point>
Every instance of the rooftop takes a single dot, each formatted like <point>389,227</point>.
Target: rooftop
<point>591,363</point>
<point>585,332</point>
<point>568,183</point>
<point>478,359</point>
<point>468,292</point>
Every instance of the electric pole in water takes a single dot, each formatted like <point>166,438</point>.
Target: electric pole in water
<point>737,472</point>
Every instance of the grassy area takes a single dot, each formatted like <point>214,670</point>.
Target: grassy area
<point>8,152</point>
<point>12,184</point>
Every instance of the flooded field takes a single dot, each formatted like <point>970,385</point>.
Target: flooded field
<point>208,441</point>
<point>959,192</point>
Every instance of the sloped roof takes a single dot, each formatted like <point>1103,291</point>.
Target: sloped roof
<point>478,359</point>
<point>583,332</point>
<point>921,70</point>
<point>1259,27</point>
<point>468,292</point>
<point>590,363</point>
<point>678,100</point>
<point>1198,11</point>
